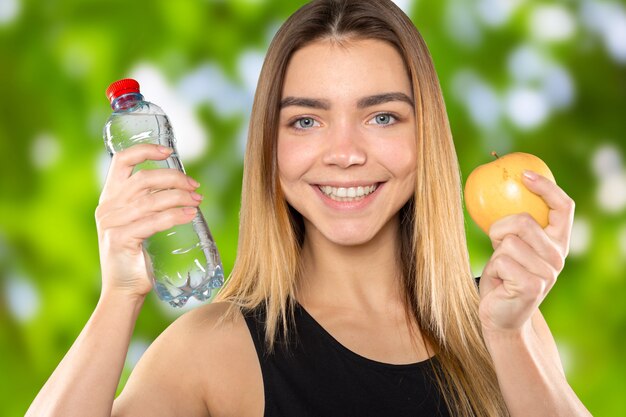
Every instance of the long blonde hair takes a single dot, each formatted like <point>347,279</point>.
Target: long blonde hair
<point>440,293</point>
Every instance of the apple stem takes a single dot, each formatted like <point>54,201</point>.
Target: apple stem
<point>495,155</point>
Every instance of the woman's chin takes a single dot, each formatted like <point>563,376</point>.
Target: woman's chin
<point>348,237</point>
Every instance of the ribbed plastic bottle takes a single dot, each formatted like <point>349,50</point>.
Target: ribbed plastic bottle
<point>184,259</point>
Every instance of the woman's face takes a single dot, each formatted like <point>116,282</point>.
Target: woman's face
<point>346,141</point>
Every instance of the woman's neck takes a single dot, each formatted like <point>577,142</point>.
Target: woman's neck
<point>365,276</point>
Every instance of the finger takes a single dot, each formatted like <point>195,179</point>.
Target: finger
<point>123,162</point>
<point>512,295</point>
<point>133,234</point>
<point>517,281</point>
<point>148,181</point>
<point>162,221</point>
<point>147,206</point>
<point>152,180</point>
<point>522,253</point>
<point>526,228</point>
<point>561,215</point>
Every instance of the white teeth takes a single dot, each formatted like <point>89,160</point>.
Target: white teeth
<point>347,194</point>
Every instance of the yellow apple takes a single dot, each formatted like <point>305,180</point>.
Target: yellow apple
<point>495,190</point>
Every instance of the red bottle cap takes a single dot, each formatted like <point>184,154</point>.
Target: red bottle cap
<point>118,88</point>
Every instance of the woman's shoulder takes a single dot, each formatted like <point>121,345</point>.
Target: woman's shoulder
<point>220,316</point>
<point>232,363</point>
<point>206,354</point>
<point>211,326</point>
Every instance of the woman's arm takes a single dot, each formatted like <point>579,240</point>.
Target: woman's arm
<point>85,381</point>
<point>193,356</point>
<point>130,210</point>
<point>530,376</point>
<point>522,270</point>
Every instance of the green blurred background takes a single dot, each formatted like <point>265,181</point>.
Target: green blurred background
<point>543,77</point>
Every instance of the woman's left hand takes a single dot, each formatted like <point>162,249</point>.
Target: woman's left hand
<point>526,261</point>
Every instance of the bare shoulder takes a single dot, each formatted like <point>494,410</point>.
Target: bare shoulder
<point>198,366</point>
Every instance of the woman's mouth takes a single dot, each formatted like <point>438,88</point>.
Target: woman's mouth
<point>347,194</point>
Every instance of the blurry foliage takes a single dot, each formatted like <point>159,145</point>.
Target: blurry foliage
<point>58,57</point>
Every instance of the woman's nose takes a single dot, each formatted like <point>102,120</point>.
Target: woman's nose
<point>346,147</point>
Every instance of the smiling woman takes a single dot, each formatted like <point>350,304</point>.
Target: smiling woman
<point>344,130</point>
<point>352,293</point>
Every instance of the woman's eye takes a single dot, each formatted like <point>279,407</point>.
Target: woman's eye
<point>305,123</point>
<point>383,119</point>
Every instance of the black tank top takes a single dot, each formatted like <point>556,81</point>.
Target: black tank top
<point>313,375</point>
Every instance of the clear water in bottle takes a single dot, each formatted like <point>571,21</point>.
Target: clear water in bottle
<point>185,261</point>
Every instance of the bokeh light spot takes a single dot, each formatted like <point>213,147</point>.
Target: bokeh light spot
<point>527,108</point>
<point>484,105</point>
<point>192,138</point>
<point>136,349</point>
<point>606,161</point>
<point>552,23</point>
<point>557,87</point>
<point>22,298</point>
<point>615,36</point>
<point>9,9</point>
<point>565,353</point>
<point>581,235</point>
<point>611,194</point>
<point>102,165</point>
<point>527,63</point>
<point>480,100</point>
<point>496,13</point>
<point>44,151</point>
<point>608,20</point>
<point>461,23</point>
<point>405,5</point>
<point>249,68</point>
<point>208,84</point>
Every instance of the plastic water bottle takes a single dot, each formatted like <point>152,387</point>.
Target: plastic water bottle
<point>184,259</point>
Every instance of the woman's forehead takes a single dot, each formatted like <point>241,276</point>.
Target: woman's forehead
<point>357,68</point>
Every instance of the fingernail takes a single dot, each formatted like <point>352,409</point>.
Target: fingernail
<point>189,210</point>
<point>193,182</point>
<point>196,196</point>
<point>530,175</point>
<point>165,149</point>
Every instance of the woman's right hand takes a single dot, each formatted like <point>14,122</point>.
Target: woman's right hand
<point>132,208</point>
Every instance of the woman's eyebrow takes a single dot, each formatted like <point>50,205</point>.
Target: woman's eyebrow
<point>364,102</point>
<point>313,103</point>
<point>383,98</point>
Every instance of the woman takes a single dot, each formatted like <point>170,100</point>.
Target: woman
<point>352,293</point>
